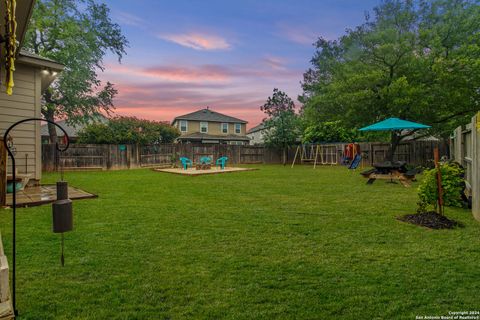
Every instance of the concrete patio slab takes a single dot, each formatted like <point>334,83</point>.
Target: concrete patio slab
<point>195,172</point>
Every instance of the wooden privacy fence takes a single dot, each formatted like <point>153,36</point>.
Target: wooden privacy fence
<point>111,157</point>
<point>465,145</point>
<point>417,153</point>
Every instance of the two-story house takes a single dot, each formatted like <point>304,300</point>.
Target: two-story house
<point>257,134</point>
<point>207,126</point>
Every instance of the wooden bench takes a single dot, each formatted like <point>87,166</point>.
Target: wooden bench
<point>403,178</point>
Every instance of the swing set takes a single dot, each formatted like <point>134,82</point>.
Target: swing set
<point>316,153</point>
<point>326,154</point>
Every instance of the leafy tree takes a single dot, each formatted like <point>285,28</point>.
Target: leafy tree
<point>281,121</point>
<point>415,60</point>
<point>77,34</point>
<point>128,130</point>
<point>329,131</point>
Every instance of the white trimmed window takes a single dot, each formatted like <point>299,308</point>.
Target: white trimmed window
<point>183,126</point>
<point>203,127</point>
<point>238,128</point>
<point>224,127</point>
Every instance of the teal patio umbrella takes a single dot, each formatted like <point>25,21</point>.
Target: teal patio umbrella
<point>395,125</point>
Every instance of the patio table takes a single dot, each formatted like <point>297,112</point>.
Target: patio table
<point>392,171</point>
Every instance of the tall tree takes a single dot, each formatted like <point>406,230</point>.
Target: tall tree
<point>77,34</point>
<point>281,121</point>
<point>416,60</point>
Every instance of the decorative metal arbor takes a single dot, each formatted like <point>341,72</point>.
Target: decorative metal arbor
<point>59,207</point>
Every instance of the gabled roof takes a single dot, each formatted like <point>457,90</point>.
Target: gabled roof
<point>208,115</point>
<point>260,127</point>
<point>39,61</point>
<point>49,67</point>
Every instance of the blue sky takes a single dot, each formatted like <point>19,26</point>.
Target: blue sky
<point>229,55</point>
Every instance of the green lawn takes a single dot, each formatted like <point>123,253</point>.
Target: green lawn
<point>274,243</point>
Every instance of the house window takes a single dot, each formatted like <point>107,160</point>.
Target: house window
<point>203,127</point>
<point>224,127</point>
<point>183,126</point>
<point>238,128</point>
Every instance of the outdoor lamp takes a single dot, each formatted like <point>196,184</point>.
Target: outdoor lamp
<point>62,211</point>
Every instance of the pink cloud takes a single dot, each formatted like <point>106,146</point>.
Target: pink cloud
<point>164,103</point>
<point>197,41</point>
<point>276,63</point>
<point>204,73</point>
<point>298,34</point>
<point>181,74</point>
<point>166,91</point>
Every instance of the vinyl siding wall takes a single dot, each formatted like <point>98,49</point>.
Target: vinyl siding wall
<point>214,128</point>
<point>24,103</point>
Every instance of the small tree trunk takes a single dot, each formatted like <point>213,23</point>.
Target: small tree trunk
<point>52,130</point>
<point>284,157</point>
<point>394,142</point>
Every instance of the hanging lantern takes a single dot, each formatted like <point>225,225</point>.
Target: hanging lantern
<point>62,216</point>
<point>62,211</point>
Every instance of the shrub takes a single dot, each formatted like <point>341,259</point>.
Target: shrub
<point>128,130</point>
<point>452,184</point>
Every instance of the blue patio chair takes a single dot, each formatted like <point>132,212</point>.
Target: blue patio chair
<point>205,160</point>
<point>222,161</point>
<point>186,162</point>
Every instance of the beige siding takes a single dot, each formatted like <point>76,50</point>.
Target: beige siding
<point>214,128</point>
<point>24,103</point>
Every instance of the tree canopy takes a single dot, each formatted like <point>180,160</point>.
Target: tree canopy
<point>329,131</point>
<point>281,121</point>
<point>77,34</point>
<point>128,130</point>
<point>415,60</point>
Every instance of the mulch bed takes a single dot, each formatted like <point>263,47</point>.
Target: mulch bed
<point>430,220</point>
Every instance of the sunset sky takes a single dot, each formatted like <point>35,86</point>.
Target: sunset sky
<point>228,55</point>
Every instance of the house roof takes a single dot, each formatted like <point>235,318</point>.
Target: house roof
<point>204,136</point>
<point>260,127</point>
<point>208,115</point>
<point>72,130</point>
<point>49,68</point>
<point>23,12</point>
<point>39,61</point>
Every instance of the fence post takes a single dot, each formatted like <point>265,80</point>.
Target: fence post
<point>476,166</point>
<point>458,145</point>
<point>3,174</point>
